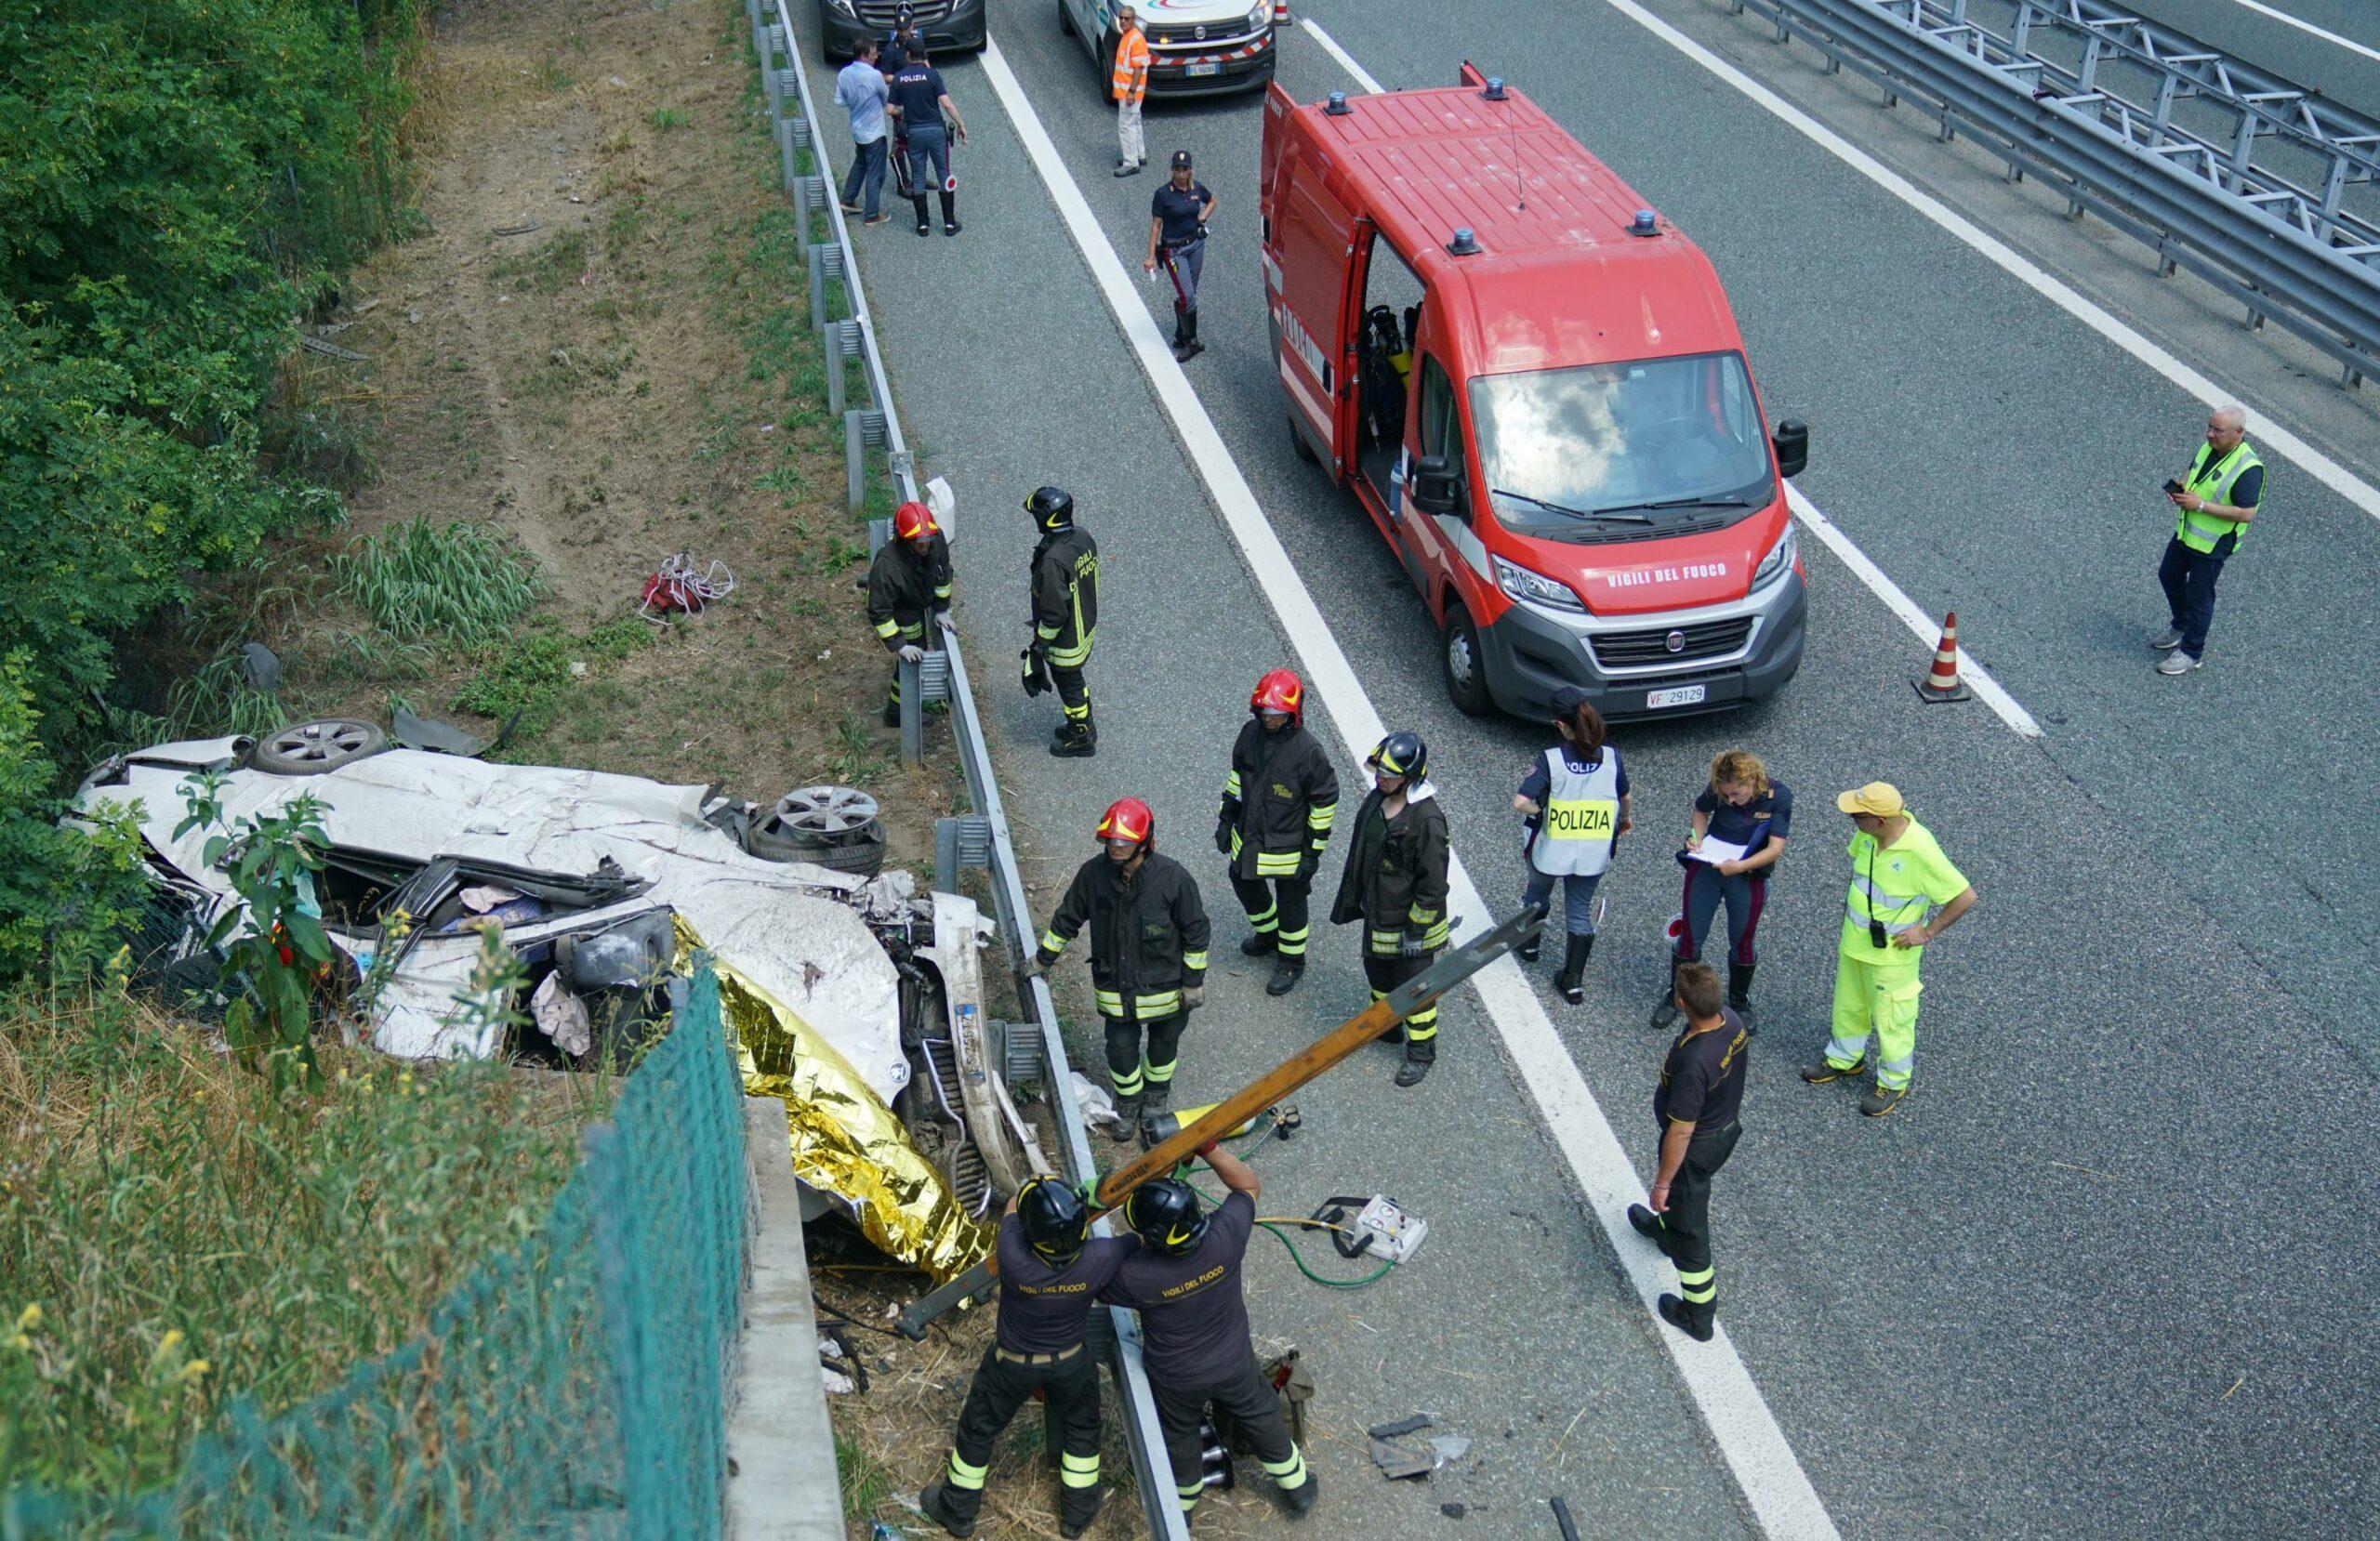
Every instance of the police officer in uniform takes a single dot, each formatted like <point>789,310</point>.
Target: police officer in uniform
<point>1701,1090</point>
<point>1178,215</point>
<point>1185,1282</point>
<point>1279,804</point>
<point>908,586</point>
<point>1148,955</point>
<point>2216,500</point>
<point>1066,615</point>
<point>1576,800</point>
<point>1396,883</point>
<point>1051,1270</point>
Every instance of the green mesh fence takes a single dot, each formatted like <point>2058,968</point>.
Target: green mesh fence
<point>574,1386</point>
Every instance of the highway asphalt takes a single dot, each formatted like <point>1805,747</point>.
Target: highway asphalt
<point>2104,1273</point>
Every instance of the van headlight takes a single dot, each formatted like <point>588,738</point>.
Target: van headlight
<point>1520,582</point>
<point>1260,17</point>
<point>840,7</point>
<point>1781,557</point>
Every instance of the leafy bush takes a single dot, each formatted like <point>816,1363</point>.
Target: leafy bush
<point>460,580</point>
<point>530,673</point>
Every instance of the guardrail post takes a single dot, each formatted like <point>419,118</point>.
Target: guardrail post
<point>859,429</point>
<point>826,261</point>
<point>843,342</point>
<point>913,717</point>
<point>787,171</point>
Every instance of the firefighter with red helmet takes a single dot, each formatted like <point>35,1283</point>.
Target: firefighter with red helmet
<point>908,586</point>
<point>1066,615</point>
<point>1279,801</point>
<point>1148,955</point>
<point>1395,884</point>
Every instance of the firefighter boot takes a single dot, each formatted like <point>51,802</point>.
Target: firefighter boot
<point>952,1509</point>
<point>1287,970</point>
<point>1189,347</point>
<point>1128,1120</point>
<point>950,213</point>
<point>1075,741</point>
<point>1739,995</point>
<point>1077,1506</point>
<point>1418,1057</point>
<point>925,225</point>
<point>1695,1322</point>
<point>1571,979</point>
<point>1154,1100</point>
<point>1257,944</point>
<point>1302,1498</point>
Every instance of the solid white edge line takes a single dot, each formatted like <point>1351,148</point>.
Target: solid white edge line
<point>2350,45</point>
<point>2324,469</point>
<point>1346,60</point>
<point>1740,1425</point>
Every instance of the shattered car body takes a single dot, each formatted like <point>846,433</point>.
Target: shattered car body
<point>852,990</point>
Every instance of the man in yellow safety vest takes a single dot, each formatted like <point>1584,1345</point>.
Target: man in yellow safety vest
<point>1898,875</point>
<point>2218,499</point>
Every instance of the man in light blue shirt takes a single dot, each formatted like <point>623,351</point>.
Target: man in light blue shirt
<point>860,91</point>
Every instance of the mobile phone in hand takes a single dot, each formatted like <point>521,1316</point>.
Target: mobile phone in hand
<point>2172,488</point>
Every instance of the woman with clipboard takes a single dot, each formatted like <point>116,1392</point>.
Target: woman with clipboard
<point>1740,821</point>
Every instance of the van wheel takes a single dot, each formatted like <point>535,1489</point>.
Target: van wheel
<point>1462,662</point>
<point>1065,20</point>
<point>1297,442</point>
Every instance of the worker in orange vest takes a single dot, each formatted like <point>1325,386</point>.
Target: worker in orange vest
<point>1129,84</point>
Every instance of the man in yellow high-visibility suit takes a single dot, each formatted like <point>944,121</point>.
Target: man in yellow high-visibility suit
<point>1899,877</point>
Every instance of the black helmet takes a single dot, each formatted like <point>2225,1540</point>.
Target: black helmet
<point>1166,1216</point>
<point>1403,755</point>
<point>1053,509</point>
<point>1055,1219</point>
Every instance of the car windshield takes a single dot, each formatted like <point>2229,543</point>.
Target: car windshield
<point>1602,450</point>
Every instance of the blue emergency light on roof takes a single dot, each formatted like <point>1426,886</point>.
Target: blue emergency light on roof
<point>1495,91</point>
<point>1338,107</point>
<point>1465,243</point>
<point>1644,224</point>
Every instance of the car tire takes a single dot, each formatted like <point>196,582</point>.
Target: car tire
<point>835,827</point>
<point>1463,663</point>
<point>1298,442</point>
<point>1065,20</point>
<point>316,747</point>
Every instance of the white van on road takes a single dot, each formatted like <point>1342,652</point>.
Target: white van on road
<point>1196,48</point>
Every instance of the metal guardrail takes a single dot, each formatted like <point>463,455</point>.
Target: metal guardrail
<point>2256,184</point>
<point>981,839</point>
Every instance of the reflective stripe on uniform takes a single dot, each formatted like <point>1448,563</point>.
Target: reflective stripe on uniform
<point>1231,785</point>
<point>968,1477</point>
<point>1195,962</point>
<point>1159,1075</point>
<point>2214,484</point>
<point>1292,943</point>
<point>1052,942</point>
<point>1078,1470</point>
<point>1148,1008</point>
<point>1289,1472</point>
<point>1278,863</point>
<point>1265,921</point>
<point>1698,1287</point>
<point>887,628</point>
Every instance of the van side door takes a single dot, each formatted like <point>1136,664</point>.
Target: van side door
<point>1439,543</point>
<point>1310,239</point>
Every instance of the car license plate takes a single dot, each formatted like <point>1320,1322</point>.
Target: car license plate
<point>1683,695</point>
<point>1202,68</point>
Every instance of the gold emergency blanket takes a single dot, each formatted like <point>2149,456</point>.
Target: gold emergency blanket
<point>845,1140</point>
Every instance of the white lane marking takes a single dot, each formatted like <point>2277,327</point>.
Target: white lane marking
<point>2266,432</point>
<point>1346,60</point>
<point>1740,1424</point>
<point>1926,628</point>
<point>2350,45</point>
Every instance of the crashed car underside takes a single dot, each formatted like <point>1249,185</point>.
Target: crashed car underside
<point>855,999</point>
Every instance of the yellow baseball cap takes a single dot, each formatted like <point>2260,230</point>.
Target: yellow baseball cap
<point>1880,798</point>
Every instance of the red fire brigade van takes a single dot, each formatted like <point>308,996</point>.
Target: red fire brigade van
<point>1535,388</point>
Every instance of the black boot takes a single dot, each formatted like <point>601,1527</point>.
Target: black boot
<point>1529,951</point>
<point>950,213</point>
<point>1154,1100</point>
<point>1648,1225</point>
<point>1416,1066</point>
<point>1075,741</point>
<point>925,225</point>
<point>1302,1498</point>
<point>1571,979</point>
<point>1127,1126</point>
<point>1257,944</point>
<point>1695,1322</point>
<point>1740,996</point>
<point>1665,1010</point>
<point>1180,330</point>
<point>1077,1506</point>
<point>1189,347</point>
<point>1287,970</point>
<point>946,1506</point>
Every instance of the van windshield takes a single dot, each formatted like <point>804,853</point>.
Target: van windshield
<point>1609,451</point>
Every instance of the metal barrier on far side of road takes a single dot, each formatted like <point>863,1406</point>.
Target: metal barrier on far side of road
<point>980,839</point>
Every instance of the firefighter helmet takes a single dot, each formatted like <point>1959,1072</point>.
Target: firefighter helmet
<point>1166,1216</point>
<point>912,519</point>
<point>1055,1219</point>
<point>1053,509</point>
<point>1279,691</point>
<point>1402,755</point>
<point>1128,819</point>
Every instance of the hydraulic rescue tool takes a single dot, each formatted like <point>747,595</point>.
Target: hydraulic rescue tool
<point>1217,1122</point>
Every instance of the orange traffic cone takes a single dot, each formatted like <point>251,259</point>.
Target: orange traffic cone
<point>1942,681</point>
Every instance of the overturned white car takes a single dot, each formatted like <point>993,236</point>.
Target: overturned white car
<point>600,884</point>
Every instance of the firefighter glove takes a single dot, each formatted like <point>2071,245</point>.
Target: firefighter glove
<point>1410,945</point>
<point>1035,968</point>
<point>1223,834</point>
<point>1308,865</point>
<point>1192,996</point>
<point>912,654</point>
<point>1035,679</point>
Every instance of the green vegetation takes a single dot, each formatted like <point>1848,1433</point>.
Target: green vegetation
<point>530,673</point>
<point>178,179</point>
<point>465,581</point>
<point>865,1482</point>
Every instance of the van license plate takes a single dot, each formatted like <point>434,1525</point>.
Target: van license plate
<point>1683,695</point>
<point>1202,68</point>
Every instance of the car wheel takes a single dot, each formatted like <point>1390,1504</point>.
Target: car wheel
<point>1462,663</point>
<point>1297,442</point>
<point>1065,20</point>
<point>834,827</point>
<point>317,747</point>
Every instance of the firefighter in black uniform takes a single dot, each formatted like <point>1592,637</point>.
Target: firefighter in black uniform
<point>908,586</point>
<point>1185,1282</point>
<point>1052,1271</point>
<point>1148,955</point>
<point>1396,883</point>
<point>1065,614</point>
<point>1701,1094</point>
<point>1279,804</point>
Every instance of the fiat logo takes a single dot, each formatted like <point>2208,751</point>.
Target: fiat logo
<point>1198,32</point>
<point>1677,642</point>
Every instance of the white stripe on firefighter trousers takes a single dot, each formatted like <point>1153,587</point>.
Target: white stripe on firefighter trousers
<point>1581,812</point>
